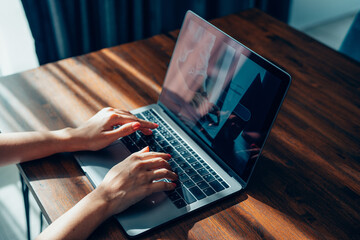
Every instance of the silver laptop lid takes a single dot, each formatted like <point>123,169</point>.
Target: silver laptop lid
<point>223,94</point>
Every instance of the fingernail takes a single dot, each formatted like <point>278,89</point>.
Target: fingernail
<point>169,156</point>
<point>156,125</point>
<point>174,184</point>
<point>253,145</point>
<point>136,126</point>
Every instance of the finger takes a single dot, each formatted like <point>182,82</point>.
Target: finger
<point>124,130</point>
<point>162,173</point>
<point>159,187</point>
<point>126,117</point>
<point>146,131</point>
<point>147,124</point>
<point>156,163</point>
<point>145,149</point>
<point>150,155</point>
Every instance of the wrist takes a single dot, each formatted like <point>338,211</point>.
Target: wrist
<point>103,201</point>
<point>67,138</point>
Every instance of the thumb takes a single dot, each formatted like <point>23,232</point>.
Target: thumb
<point>126,129</point>
<point>145,149</point>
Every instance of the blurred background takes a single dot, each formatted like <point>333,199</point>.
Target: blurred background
<point>34,32</point>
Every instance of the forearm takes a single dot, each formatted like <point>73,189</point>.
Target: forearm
<point>25,146</point>
<point>80,221</point>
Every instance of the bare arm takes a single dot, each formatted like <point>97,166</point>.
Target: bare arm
<point>125,184</point>
<point>94,134</point>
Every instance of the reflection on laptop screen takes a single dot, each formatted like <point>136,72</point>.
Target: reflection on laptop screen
<point>215,88</point>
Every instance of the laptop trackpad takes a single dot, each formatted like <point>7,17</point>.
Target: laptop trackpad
<point>151,212</point>
<point>96,164</point>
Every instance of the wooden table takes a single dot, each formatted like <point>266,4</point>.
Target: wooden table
<point>307,182</point>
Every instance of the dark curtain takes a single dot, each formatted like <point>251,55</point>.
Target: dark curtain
<point>65,28</point>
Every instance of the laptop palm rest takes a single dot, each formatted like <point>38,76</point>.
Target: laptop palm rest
<point>96,164</point>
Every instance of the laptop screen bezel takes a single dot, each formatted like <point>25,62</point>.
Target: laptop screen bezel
<point>266,64</point>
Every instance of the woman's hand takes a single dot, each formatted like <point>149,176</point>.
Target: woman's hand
<point>125,184</point>
<point>133,179</point>
<point>98,131</point>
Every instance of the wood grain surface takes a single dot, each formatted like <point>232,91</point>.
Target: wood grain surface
<point>307,182</point>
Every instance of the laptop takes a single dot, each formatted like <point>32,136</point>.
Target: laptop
<point>217,106</point>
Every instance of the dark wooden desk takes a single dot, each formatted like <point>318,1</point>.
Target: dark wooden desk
<point>307,182</point>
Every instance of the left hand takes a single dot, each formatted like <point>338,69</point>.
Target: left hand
<point>98,132</point>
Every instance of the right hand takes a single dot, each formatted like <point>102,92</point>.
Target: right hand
<point>133,179</point>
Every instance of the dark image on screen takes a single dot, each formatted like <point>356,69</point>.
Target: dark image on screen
<point>222,95</point>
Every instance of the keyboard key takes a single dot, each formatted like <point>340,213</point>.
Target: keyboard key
<point>197,193</point>
<point>156,121</point>
<point>196,178</point>
<point>190,171</point>
<point>203,185</point>
<point>208,191</point>
<point>163,131</point>
<point>132,147</point>
<point>190,159</point>
<point>173,196</point>
<point>172,164</point>
<point>179,160</point>
<point>183,177</point>
<point>169,149</point>
<point>168,137</point>
<point>158,137</point>
<point>209,178</point>
<point>174,142</point>
<point>216,186</point>
<point>160,128</point>
<point>134,136</point>
<point>186,195</point>
<point>202,171</point>
<point>185,154</point>
<point>180,148</point>
<point>189,183</point>
<point>126,139</point>
<point>155,147</point>
<point>147,113</point>
<point>224,184</point>
<point>150,141</point>
<point>141,144</point>
<point>177,170</point>
<point>184,166</point>
<point>196,165</point>
<point>180,203</point>
<point>175,154</point>
<point>163,143</point>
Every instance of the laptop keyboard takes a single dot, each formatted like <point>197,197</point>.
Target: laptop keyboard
<point>197,179</point>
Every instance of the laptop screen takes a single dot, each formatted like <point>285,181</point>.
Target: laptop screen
<point>223,92</point>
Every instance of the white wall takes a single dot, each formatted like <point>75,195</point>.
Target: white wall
<point>310,13</point>
<point>17,50</point>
